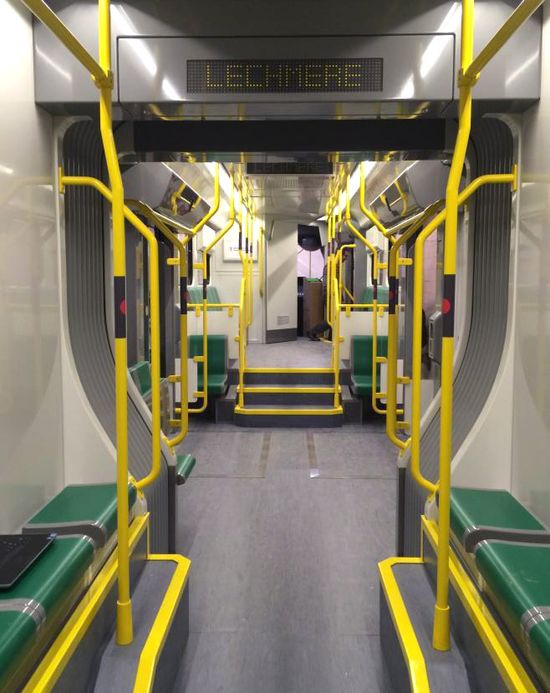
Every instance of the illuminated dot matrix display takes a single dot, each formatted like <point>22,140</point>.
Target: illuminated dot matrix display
<point>299,76</point>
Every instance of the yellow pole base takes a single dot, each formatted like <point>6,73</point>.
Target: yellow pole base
<point>442,629</point>
<point>124,625</point>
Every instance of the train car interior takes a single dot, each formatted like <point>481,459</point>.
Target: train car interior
<point>275,346</point>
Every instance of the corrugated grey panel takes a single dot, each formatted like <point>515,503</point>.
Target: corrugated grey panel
<point>85,235</point>
<point>491,151</point>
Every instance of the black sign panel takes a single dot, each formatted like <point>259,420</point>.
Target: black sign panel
<point>299,76</point>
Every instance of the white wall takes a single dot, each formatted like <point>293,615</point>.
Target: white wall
<point>31,450</point>
<point>282,287</point>
<point>531,422</point>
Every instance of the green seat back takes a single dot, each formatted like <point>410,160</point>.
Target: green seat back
<point>141,375</point>
<point>366,297</point>
<point>212,295</point>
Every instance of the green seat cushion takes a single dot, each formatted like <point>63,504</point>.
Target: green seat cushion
<point>217,384</point>
<point>478,514</point>
<point>184,466</point>
<point>81,509</point>
<point>367,294</point>
<point>517,582</point>
<point>141,375</point>
<point>362,384</point>
<point>217,362</point>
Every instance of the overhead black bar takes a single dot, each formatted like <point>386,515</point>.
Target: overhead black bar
<point>289,136</point>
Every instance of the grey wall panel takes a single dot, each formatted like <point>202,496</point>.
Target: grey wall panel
<point>85,235</point>
<point>491,151</point>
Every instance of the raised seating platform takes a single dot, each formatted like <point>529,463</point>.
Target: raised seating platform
<point>38,603</point>
<point>48,615</point>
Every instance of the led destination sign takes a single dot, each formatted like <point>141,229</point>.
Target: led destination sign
<point>304,75</point>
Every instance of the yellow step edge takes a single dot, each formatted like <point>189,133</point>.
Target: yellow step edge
<point>63,647</point>
<point>275,389</point>
<point>150,655</point>
<point>288,370</point>
<point>412,652</point>
<point>513,674</point>
<point>334,411</point>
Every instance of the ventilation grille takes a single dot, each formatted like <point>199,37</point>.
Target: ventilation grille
<point>292,168</point>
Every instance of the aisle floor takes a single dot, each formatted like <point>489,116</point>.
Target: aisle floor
<point>285,529</point>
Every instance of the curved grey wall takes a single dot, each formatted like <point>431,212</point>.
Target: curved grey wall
<point>491,151</point>
<point>85,238</point>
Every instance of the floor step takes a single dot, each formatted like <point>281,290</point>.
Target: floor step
<point>288,376</point>
<point>297,416</point>
<point>293,394</point>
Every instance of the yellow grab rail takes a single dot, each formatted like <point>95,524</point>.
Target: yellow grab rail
<point>416,379</point>
<point>149,214</point>
<point>203,394</point>
<point>242,340</point>
<point>154,309</point>
<point>100,72</point>
<point>441,626</point>
<point>391,404</point>
<point>470,72</point>
<point>371,216</point>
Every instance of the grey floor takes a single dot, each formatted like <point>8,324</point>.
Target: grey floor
<point>297,354</point>
<point>285,528</point>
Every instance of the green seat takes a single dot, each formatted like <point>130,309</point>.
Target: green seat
<point>217,362</point>
<point>81,509</point>
<point>361,362</point>
<point>38,603</point>
<point>141,375</point>
<point>367,295</point>
<point>212,295</point>
<point>517,583</point>
<point>478,515</point>
<point>184,466</point>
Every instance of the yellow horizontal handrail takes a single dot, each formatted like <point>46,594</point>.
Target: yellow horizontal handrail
<point>42,12</point>
<point>213,306</point>
<point>142,229</point>
<point>522,12</point>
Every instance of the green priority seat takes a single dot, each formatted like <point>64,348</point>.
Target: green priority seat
<point>366,296</point>
<point>481,514</point>
<point>517,583</point>
<point>141,375</point>
<point>212,295</point>
<point>38,603</point>
<point>361,362</point>
<point>217,362</point>
<point>184,466</point>
<point>89,510</point>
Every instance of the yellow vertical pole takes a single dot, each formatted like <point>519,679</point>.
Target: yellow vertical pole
<point>441,628</point>
<point>124,628</point>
